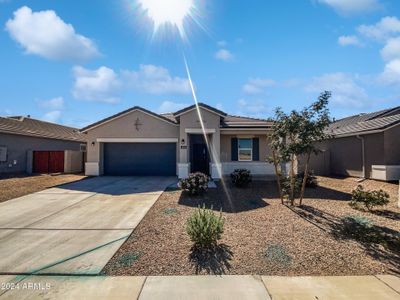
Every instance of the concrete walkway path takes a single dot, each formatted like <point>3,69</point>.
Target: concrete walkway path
<point>382,287</point>
<point>74,228</point>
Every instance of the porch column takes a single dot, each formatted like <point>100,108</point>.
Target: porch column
<point>216,167</point>
<point>183,162</point>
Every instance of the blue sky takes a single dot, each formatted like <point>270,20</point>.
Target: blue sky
<point>75,62</point>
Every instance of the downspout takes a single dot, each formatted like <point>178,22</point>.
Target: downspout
<point>363,156</point>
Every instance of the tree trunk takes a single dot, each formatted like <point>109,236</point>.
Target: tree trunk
<point>303,186</point>
<point>292,180</point>
<point>278,177</point>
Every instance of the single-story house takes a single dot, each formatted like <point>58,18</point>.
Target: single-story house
<point>32,146</point>
<point>364,145</point>
<point>140,142</point>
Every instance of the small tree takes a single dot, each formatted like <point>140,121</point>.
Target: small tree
<point>297,134</point>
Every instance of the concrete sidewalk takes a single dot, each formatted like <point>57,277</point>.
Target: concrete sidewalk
<point>380,287</point>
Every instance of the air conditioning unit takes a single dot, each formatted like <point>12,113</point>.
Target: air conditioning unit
<point>386,173</point>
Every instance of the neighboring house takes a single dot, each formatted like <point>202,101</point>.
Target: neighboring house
<point>364,145</point>
<point>32,146</point>
<point>140,142</point>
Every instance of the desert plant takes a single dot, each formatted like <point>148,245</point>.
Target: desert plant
<point>311,181</point>
<point>357,227</point>
<point>370,199</point>
<point>241,177</point>
<point>195,184</point>
<point>297,134</point>
<point>286,186</point>
<point>204,227</point>
<point>277,254</point>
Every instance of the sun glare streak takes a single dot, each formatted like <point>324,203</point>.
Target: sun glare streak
<point>210,146</point>
<point>167,14</point>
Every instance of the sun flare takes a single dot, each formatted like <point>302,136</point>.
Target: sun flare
<point>168,12</point>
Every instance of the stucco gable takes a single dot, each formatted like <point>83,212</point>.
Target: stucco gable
<point>125,113</point>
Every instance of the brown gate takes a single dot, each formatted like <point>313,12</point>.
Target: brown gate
<point>48,162</point>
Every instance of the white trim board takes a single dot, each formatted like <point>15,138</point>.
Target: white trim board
<point>201,107</point>
<point>199,130</point>
<point>137,140</point>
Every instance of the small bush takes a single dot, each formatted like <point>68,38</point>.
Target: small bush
<point>195,184</point>
<point>204,228</point>
<point>357,227</point>
<point>128,259</point>
<point>170,211</point>
<point>285,182</point>
<point>277,254</point>
<point>370,199</point>
<point>241,177</point>
<point>311,181</point>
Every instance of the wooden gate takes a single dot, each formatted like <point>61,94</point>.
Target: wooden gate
<point>48,162</point>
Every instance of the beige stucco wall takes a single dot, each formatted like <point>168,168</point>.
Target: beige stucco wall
<point>124,127</point>
<point>73,161</point>
<point>392,146</point>
<point>265,150</point>
<point>345,155</point>
<point>190,120</point>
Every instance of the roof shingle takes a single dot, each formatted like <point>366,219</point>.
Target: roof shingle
<point>32,127</point>
<point>358,124</point>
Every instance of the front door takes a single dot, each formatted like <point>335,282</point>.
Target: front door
<point>200,159</point>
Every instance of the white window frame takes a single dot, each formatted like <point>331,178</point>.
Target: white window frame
<point>251,149</point>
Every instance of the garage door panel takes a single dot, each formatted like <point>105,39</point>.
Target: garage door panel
<point>140,159</point>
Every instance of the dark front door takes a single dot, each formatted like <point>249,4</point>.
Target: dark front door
<point>200,158</point>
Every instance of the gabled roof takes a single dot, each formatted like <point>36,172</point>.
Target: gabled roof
<point>362,123</point>
<point>202,105</point>
<point>32,127</point>
<point>120,114</point>
<point>227,121</point>
<point>244,122</point>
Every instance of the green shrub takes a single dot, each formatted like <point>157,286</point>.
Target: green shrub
<point>204,228</point>
<point>311,181</point>
<point>285,182</point>
<point>195,184</point>
<point>241,177</point>
<point>370,199</point>
<point>277,254</point>
<point>357,227</point>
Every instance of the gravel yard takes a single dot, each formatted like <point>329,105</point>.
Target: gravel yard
<point>262,236</point>
<point>13,186</point>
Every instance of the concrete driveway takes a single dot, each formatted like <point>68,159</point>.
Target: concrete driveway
<point>75,228</point>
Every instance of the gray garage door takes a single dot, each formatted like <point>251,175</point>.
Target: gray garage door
<point>140,159</point>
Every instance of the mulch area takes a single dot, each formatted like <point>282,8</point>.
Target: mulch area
<point>17,185</point>
<point>261,235</point>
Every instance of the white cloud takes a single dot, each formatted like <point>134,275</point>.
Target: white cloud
<point>224,54</point>
<point>348,7</point>
<point>391,50</point>
<point>155,80</point>
<point>391,73</point>
<point>170,106</point>
<point>349,40</point>
<point>53,104</point>
<point>96,85</point>
<point>257,85</point>
<point>104,84</point>
<point>52,116</point>
<point>384,29</point>
<point>45,34</point>
<point>253,108</point>
<point>345,91</point>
